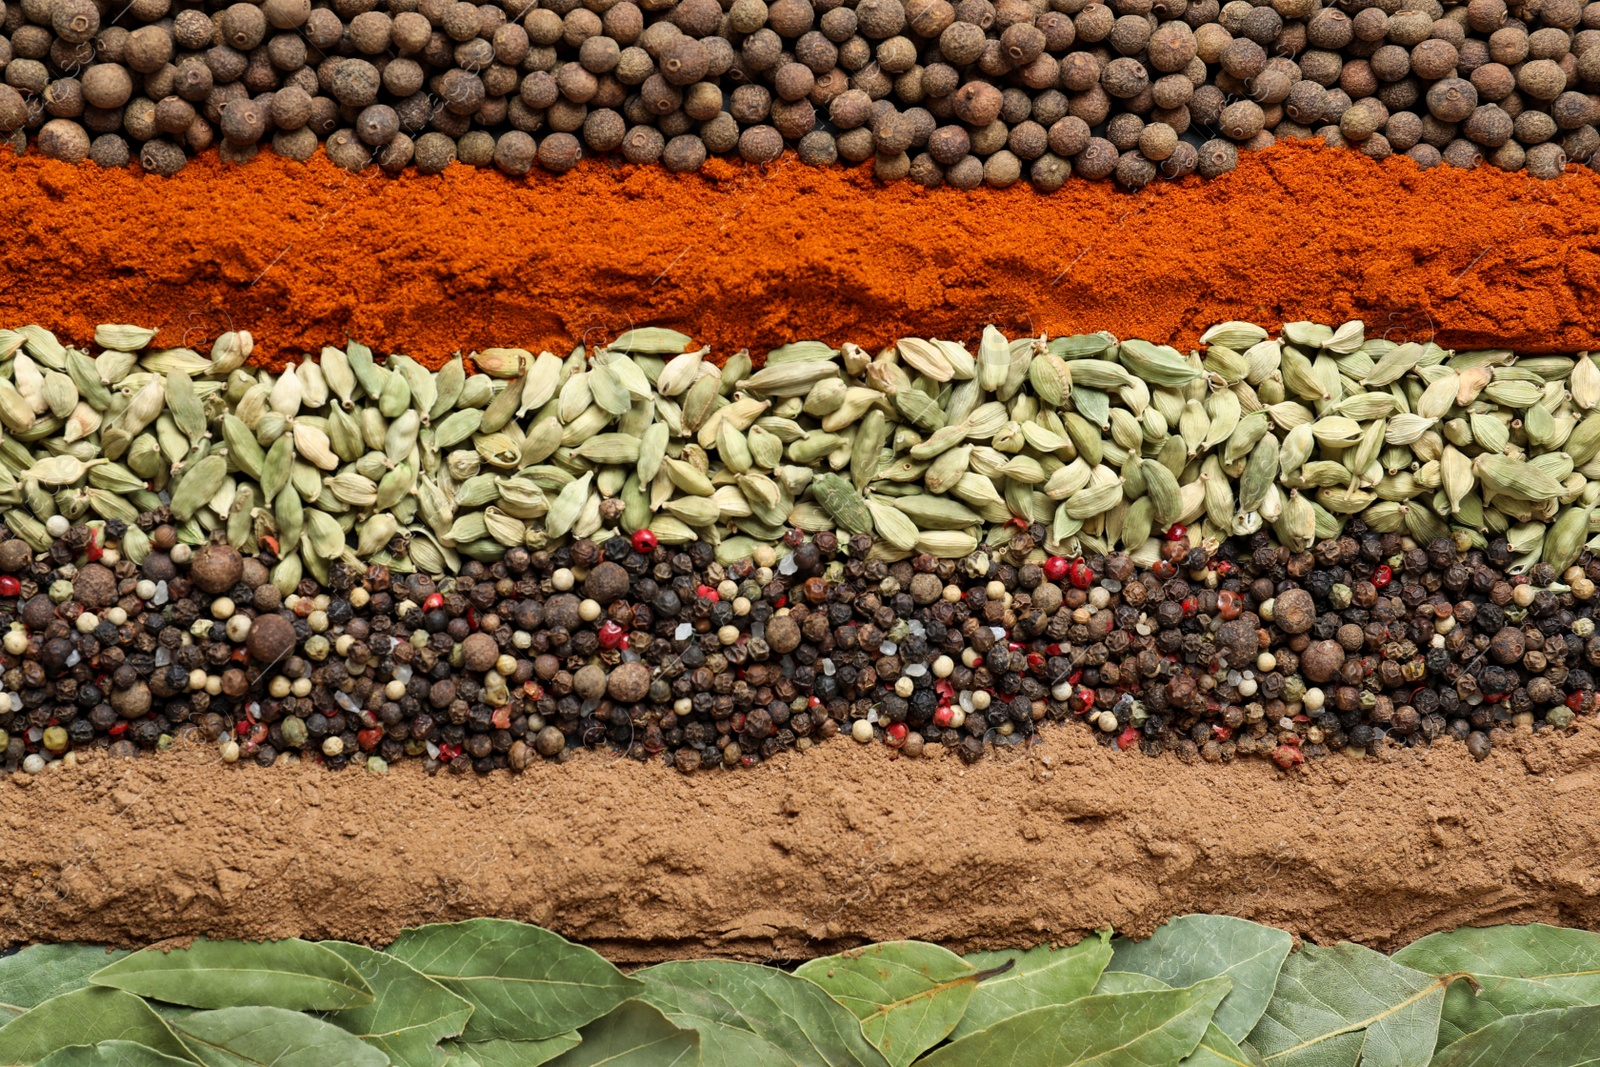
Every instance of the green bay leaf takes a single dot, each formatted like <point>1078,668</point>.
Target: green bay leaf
<point>633,1034</point>
<point>35,974</point>
<point>272,1037</point>
<point>907,994</point>
<point>1519,969</point>
<point>1558,1037</point>
<point>507,1053</point>
<point>112,1054</point>
<point>1135,1029</point>
<point>85,1017</point>
<point>291,974</point>
<point>410,1013</point>
<point>524,983</point>
<point>1187,949</point>
<point>1216,1049</point>
<point>732,1003</point>
<point>1038,977</point>
<point>1348,1005</point>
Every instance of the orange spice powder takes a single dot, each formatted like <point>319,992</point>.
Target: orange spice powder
<point>303,255</point>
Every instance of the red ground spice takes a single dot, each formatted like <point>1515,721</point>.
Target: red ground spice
<point>303,255</point>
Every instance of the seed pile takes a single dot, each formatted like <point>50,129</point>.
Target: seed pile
<point>926,446</point>
<point>967,93</point>
<point>632,647</point>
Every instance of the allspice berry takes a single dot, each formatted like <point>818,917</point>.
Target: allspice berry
<point>760,144</point>
<point>514,153</point>
<point>216,569</point>
<point>479,652</point>
<point>271,638</point>
<point>560,152</point>
<point>64,140</point>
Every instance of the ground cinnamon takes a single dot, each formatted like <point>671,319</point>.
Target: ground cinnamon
<point>303,255</point>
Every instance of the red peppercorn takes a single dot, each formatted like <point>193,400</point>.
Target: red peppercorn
<point>706,592</point>
<point>367,740</point>
<point>9,586</point>
<point>1229,604</point>
<point>472,619</point>
<point>643,541</point>
<point>501,717</point>
<point>1222,567</point>
<point>1382,576</point>
<point>611,635</point>
<point>1177,532</point>
<point>1163,569</point>
<point>1079,574</point>
<point>120,728</point>
<point>943,716</point>
<point>1190,606</point>
<point>738,722</point>
<point>895,734</point>
<point>1127,739</point>
<point>1287,756</point>
<point>1035,661</point>
<point>1575,700</point>
<point>449,752</point>
<point>1075,677</point>
<point>1222,733</point>
<point>1055,568</point>
<point>434,602</point>
<point>92,551</point>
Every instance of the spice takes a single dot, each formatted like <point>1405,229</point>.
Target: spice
<point>1259,206</point>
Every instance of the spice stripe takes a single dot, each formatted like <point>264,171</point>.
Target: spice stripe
<point>297,254</point>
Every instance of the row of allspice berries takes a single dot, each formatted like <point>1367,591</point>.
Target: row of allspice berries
<point>1284,546</point>
<point>967,93</point>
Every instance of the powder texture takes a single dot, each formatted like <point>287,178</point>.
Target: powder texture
<point>810,853</point>
<point>304,255</point>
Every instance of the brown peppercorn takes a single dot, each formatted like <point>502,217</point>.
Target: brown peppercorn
<point>1546,161</point>
<point>1097,160</point>
<point>977,103</point>
<point>760,144</point>
<point>514,153</point>
<point>560,152</point>
<point>817,149</point>
<point>1068,136</point>
<point>1125,78</point>
<point>64,140</point>
<point>643,144</point>
<point>1489,125</point>
<point>109,150</point>
<point>434,153</point>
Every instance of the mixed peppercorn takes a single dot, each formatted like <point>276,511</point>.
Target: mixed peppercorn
<point>1212,652</point>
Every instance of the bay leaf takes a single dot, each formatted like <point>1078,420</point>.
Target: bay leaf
<point>112,1054</point>
<point>731,1003</point>
<point>1187,949</point>
<point>272,1037</point>
<point>291,973</point>
<point>633,1034</point>
<point>1518,968</point>
<point>524,983</point>
<point>33,975</point>
<point>1107,1030</point>
<point>1348,1005</point>
<point>907,994</point>
<point>507,1053</point>
<point>1556,1037</point>
<point>410,1012</point>
<point>86,1017</point>
<point>1216,1049</point>
<point>1039,977</point>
